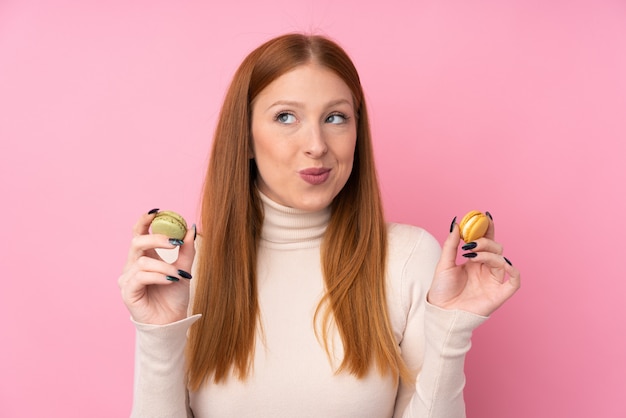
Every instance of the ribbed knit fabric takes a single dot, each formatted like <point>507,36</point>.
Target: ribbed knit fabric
<point>292,375</point>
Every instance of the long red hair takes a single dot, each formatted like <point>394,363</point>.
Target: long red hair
<point>354,245</point>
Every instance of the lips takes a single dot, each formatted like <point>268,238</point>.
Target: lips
<point>314,175</point>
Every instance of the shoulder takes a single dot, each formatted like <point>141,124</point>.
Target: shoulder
<point>406,241</point>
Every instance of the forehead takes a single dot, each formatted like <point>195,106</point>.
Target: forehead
<point>306,83</point>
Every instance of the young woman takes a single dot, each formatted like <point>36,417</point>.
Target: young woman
<point>304,301</point>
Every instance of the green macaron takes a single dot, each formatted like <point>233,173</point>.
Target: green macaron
<point>169,223</point>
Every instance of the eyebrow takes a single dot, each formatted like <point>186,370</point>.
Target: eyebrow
<point>292,103</point>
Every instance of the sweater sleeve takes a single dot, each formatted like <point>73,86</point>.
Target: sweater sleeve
<point>159,386</point>
<point>434,343</point>
<point>440,383</point>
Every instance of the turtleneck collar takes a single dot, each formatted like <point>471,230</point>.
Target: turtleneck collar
<point>291,228</point>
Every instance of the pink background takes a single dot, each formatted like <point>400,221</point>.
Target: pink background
<point>516,107</point>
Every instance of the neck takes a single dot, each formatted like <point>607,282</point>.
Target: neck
<point>284,226</point>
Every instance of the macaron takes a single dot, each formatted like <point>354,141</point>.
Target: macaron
<point>169,223</point>
<point>473,225</point>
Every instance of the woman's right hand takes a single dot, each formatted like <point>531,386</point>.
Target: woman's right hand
<point>148,284</point>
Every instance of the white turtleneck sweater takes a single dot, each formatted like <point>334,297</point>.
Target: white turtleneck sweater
<point>292,375</point>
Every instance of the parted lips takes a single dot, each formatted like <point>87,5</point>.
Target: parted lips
<point>473,225</point>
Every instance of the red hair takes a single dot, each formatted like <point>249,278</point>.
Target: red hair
<point>353,251</point>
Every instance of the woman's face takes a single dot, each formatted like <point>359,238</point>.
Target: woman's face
<point>303,137</point>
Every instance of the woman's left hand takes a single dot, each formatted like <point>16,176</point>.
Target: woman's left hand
<point>480,285</point>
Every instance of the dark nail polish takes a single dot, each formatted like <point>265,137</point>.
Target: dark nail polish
<point>152,211</point>
<point>171,278</point>
<point>176,242</point>
<point>470,255</point>
<point>452,224</point>
<point>469,246</point>
<point>184,274</point>
<point>508,262</point>
<point>489,214</point>
<point>195,232</point>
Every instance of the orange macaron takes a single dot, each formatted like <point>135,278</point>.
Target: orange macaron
<point>474,225</point>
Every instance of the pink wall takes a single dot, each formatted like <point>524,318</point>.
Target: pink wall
<point>516,107</point>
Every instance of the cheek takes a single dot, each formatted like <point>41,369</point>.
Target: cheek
<point>258,136</point>
<point>345,152</point>
<point>258,142</point>
<point>270,154</point>
<point>345,160</point>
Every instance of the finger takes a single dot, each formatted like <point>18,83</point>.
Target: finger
<point>135,283</point>
<point>142,227</point>
<point>136,287</point>
<point>158,266</point>
<point>484,244</point>
<point>491,230</point>
<point>449,248</point>
<point>498,265</point>
<point>515,280</point>
<point>509,287</point>
<point>148,272</point>
<point>153,266</point>
<point>142,245</point>
<point>187,251</point>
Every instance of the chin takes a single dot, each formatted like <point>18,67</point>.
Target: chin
<point>306,200</point>
<point>314,204</point>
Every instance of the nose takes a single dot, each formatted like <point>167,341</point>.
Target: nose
<point>315,145</point>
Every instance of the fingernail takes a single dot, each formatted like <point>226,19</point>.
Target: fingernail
<point>470,255</point>
<point>452,225</point>
<point>184,274</point>
<point>507,261</point>
<point>153,211</point>
<point>489,214</point>
<point>195,232</point>
<point>469,246</point>
<point>171,278</point>
<point>175,241</point>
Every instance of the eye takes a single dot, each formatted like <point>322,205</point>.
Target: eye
<point>337,118</point>
<point>285,117</point>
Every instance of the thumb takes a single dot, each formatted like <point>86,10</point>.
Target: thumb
<point>187,251</point>
<point>449,248</point>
